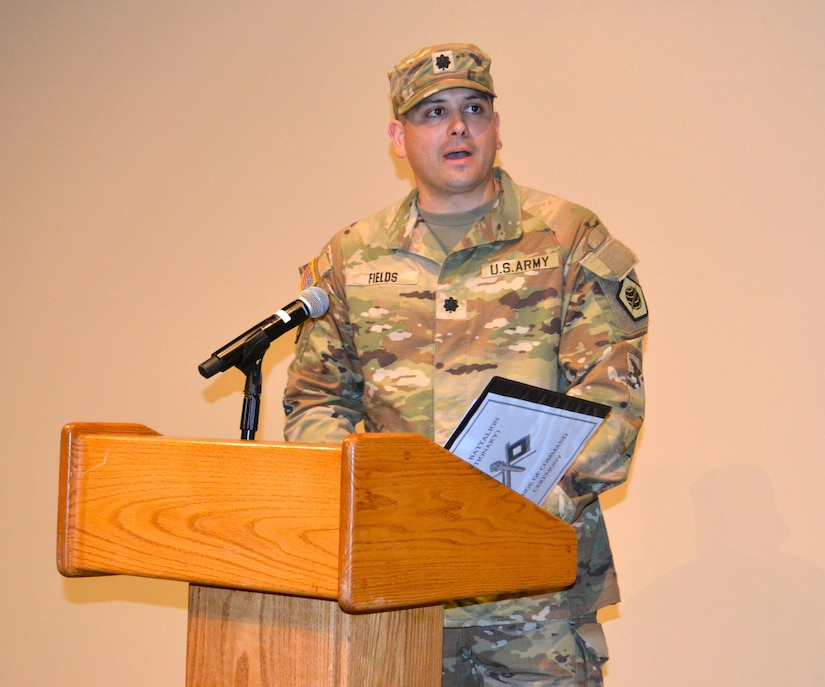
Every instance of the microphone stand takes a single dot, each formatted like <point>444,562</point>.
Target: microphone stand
<point>251,346</point>
<point>253,354</point>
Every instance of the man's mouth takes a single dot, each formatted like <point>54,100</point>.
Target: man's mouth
<point>457,155</point>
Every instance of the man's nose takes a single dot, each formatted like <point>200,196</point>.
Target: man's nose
<point>458,127</point>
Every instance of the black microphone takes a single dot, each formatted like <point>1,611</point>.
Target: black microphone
<point>312,302</point>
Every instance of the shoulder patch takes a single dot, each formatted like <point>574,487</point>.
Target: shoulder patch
<point>315,270</point>
<point>632,298</point>
<point>627,303</point>
<point>309,275</point>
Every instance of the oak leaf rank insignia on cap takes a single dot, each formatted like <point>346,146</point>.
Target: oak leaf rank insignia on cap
<point>443,62</point>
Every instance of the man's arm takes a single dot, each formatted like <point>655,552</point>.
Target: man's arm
<point>324,392</point>
<point>600,359</point>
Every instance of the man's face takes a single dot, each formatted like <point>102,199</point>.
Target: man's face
<point>450,140</point>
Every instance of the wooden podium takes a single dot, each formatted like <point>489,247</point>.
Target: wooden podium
<point>309,565</point>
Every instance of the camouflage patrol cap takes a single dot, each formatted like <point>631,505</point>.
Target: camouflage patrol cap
<point>437,68</point>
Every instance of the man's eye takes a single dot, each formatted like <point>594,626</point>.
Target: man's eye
<point>435,112</point>
<point>475,108</point>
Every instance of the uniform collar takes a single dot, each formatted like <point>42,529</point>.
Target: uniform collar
<point>408,232</point>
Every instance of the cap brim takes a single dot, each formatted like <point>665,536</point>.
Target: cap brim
<point>443,85</point>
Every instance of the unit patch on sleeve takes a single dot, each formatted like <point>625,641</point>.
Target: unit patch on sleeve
<point>632,298</point>
<point>627,302</point>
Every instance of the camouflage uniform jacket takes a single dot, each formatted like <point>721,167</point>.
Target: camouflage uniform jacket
<point>537,291</point>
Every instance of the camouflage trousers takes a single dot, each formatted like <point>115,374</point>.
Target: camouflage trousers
<point>559,653</point>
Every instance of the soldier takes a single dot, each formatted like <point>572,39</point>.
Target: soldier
<point>470,276</point>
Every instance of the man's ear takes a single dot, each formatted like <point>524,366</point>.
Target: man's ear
<point>396,133</point>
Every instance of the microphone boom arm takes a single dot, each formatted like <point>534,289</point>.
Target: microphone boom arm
<point>246,351</point>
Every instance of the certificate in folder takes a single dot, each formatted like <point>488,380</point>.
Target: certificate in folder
<point>524,436</point>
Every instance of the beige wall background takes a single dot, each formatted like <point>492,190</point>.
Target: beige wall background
<point>165,166</point>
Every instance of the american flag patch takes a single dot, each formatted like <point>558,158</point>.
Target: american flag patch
<point>309,277</point>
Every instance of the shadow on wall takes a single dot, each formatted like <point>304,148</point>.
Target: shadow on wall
<point>743,613</point>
